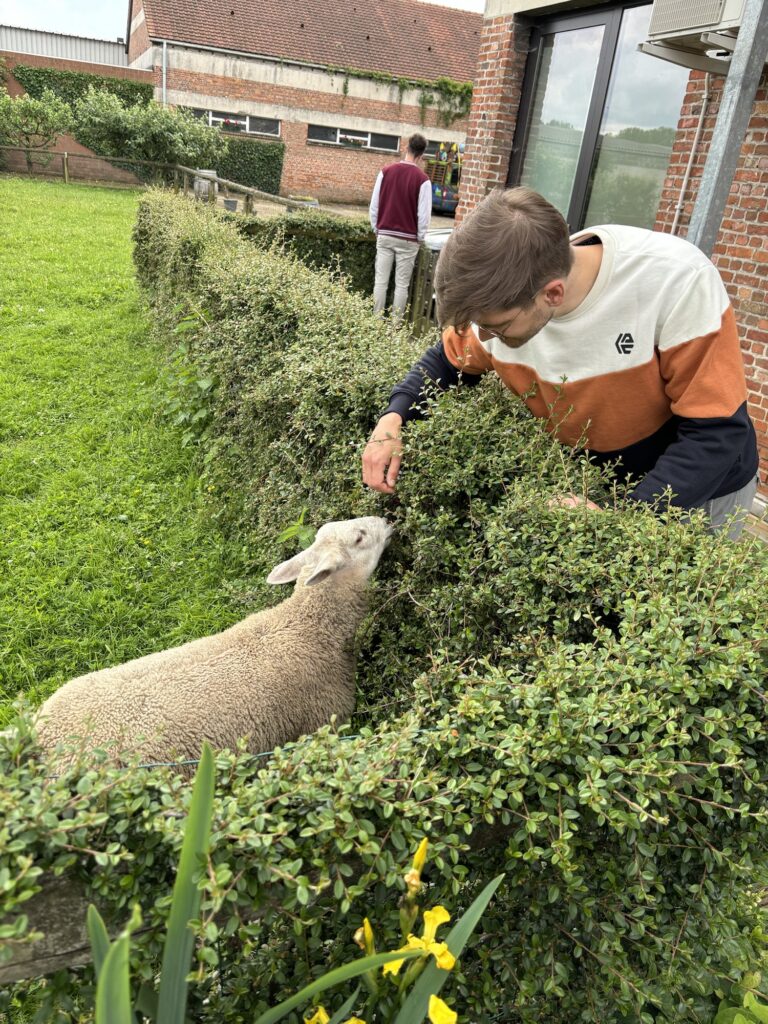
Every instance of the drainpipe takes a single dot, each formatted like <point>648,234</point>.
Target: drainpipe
<point>165,69</point>
<point>692,157</point>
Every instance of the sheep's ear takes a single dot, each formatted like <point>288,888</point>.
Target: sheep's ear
<point>289,570</point>
<point>330,563</point>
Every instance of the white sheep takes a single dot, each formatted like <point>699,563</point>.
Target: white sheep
<point>271,678</point>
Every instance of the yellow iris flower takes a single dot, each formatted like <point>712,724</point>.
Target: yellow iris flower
<point>440,1012</point>
<point>320,1017</point>
<point>443,956</point>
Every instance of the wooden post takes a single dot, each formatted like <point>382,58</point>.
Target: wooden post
<point>211,192</point>
<point>175,179</point>
<point>186,183</point>
<point>65,166</point>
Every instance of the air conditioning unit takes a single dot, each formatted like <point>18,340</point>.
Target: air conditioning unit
<point>695,33</point>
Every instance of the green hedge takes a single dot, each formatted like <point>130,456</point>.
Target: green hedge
<point>321,241</point>
<point>253,162</point>
<point>71,85</point>
<point>573,697</point>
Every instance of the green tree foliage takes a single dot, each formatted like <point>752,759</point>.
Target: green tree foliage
<point>33,124</point>
<point>107,125</point>
<point>653,136</point>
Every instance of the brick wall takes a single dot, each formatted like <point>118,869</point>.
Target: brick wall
<point>139,39</point>
<point>60,64</point>
<point>495,101</point>
<point>330,173</point>
<point>741,252</point>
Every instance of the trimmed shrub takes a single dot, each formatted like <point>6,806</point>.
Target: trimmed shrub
<point>109,127</point>
<point>321,241</point>
<point>72,85</point>
<point>575,698</point>
<point>253,162</point>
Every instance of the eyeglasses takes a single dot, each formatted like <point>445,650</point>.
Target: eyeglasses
<point>486,333</point>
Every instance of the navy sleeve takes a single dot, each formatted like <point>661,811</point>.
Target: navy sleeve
<point>708,458</point>
<point>434,370</point>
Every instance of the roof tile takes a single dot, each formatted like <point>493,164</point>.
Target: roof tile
<point>405,38</point>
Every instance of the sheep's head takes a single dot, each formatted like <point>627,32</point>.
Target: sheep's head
<point>351,545</point>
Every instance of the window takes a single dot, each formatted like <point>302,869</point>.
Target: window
<point>597,117</point>
<point>250,124</point>
<point>352,137</point>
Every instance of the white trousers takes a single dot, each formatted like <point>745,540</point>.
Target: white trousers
<point>402,252</point>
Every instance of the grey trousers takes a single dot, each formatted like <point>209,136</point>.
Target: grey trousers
<point>730,511</point>
<point>403,253</point>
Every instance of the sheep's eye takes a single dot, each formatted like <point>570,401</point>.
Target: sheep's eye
<point>360,537</point>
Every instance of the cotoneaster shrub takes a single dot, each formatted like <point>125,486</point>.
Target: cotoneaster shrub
<point>322,241</point>
<point>574,698</point>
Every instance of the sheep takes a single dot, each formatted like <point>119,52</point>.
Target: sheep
<point>277,675</point>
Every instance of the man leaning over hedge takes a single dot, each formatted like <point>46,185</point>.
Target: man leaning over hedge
<point>619,336</point>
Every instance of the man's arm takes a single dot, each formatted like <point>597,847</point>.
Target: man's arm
<point>702,365</point>
<point>433,370</point>
<point>695,465</point>
<point>373,209</point>
<point>382,455</point>
<point>425,208</point>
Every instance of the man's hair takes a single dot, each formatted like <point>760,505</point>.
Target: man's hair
<point>500,256</point>
<point>417,144</point>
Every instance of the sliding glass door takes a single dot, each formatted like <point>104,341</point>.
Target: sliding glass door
<point>597,117</point>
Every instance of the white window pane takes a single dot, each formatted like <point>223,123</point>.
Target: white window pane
<point>638,128</point>
<point>561,100</point>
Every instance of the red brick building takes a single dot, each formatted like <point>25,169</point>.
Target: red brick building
<point>334,82</point>
<point>566,103</point>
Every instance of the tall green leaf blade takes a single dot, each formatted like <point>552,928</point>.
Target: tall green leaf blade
<point>332,978</point>
<point>113,992</point>
<point>414,1009</point>
<point>185,905</point>
<point>98,937</point>
<point>342,1012</point>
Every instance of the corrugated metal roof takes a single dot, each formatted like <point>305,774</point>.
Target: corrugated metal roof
<point>53,44</point>
<point>402,37</point>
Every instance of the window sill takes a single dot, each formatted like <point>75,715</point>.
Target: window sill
<point>354,149</point>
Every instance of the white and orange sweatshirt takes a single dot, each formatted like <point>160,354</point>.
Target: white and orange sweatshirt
<point>647,370</point>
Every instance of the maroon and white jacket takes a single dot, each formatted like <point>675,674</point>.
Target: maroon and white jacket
<point>401,204</point>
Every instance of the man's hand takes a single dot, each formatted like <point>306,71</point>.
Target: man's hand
<point>383,453</point>
<point>571,501</point>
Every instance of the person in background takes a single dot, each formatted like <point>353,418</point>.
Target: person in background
<point>619,337</point>
<point>401,206</point>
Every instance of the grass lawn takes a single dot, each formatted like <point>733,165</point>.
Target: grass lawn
<point>106,549</point>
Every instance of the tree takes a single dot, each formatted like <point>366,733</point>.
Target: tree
<point>34,125</point>
<point>105,124</point>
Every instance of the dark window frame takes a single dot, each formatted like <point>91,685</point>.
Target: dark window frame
<point>352,132</point>
<point>215,118</point>
<point>610,16</point>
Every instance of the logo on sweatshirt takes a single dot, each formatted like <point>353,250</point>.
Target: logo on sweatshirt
<point>624,344</point>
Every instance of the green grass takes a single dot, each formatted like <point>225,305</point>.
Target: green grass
<point>107,551</point>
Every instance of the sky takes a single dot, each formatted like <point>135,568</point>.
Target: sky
<point>105,19</point>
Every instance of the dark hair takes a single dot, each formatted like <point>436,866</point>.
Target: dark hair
<point>417,144</point>
<point>501,255</point>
